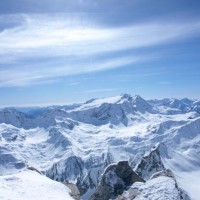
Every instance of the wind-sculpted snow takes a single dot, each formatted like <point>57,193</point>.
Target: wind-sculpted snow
<point>76,143</point>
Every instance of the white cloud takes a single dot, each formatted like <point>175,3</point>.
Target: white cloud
<point>44,48</point>
<point>23,77</point>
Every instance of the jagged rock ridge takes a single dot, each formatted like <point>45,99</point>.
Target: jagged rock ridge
<point>116,178</point>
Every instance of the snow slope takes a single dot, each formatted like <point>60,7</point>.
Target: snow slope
<point>76,143</point>
<point>31,185</point>
<point>160,187</point>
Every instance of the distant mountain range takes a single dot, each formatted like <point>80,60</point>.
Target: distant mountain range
<point>159,140</point>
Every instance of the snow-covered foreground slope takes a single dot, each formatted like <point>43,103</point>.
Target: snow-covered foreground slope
<point>30,185</point>
<point>162,186</point>
<point>76,143</point>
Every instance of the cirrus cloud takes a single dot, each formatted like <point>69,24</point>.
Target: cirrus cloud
<point>38,48</point>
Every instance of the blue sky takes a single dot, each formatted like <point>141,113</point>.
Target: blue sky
<point>57,52</point>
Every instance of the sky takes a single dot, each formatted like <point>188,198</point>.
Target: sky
<point>64,51</point>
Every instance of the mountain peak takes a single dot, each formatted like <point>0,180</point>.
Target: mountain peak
<point>138,98</point>
<point>126,96</point>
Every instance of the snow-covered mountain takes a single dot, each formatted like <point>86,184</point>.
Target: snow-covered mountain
<point>76,143</point>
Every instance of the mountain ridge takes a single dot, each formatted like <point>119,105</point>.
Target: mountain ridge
<point>76,143</point>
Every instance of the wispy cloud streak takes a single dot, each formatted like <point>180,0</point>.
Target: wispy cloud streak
<point>38,48</point>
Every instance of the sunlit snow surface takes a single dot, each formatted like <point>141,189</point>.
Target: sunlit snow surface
<point>189,180</point>
<point>124,127</point>
<point>158,188</point>
<point>30,185</point>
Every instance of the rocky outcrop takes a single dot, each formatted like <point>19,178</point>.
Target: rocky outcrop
<point>115,179</point>
<point>95,167</point>
<point>33,169</point>
<point>151,162</point>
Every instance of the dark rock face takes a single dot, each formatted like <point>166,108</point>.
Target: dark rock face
<point>33,169</point>
<point>125,172</point>
<point>150,163</point>
<point>116,178</point>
